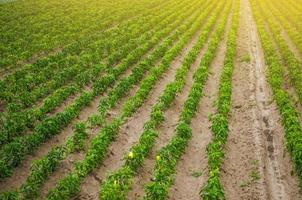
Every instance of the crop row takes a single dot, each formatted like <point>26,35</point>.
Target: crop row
<point>41,169</point>
<point>137,74</point>
<point>13,153</point>
<point>167,157</point>
<point>289,116</point>
<point>25,87</point>
<point>69,186</point>
<point>219,121</point>
<point>17,122</point>
<point>32,24</point>
<point>293,65</point>
<point>118,183</point>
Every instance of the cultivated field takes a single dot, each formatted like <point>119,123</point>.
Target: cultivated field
<point>151,100</point>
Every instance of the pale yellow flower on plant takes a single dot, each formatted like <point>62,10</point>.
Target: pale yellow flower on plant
<point>157,157</point>
<point>131,154</point>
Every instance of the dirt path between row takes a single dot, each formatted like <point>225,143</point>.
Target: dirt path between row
<point>290,89</point>
<point>191,172</point>
<point>68,164</point>
<point>129,132</point>
<point>21,173</point>
<point>166,132</point>
<point>256,165</point>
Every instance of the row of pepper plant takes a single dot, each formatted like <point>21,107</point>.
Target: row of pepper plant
<point>289,115</point>
<point>168,156</point>
<point>70,184</point>
<point>52,72</point>
<point>16,122</point>
<point>118,182</point>
<point>31,28</point>
<point>287,22</point>
<point>13,153</point>
<point>213,189</point>
<point>293,65</point>
<point>41,169</point>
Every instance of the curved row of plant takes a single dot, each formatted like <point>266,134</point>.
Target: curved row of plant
<point>100,43</point>
<point>293,65</point>
<point>77,141</point>
<point>47,74</point>
<point>289,116</point>
<point>13,153</point>
<point>117,184</point>
<point>45,166</point>
<point>219,122</point>
<point>21,120</point>
<point>30,24</point>
<point>16,122</point>
<point>117,37</point>
<point>70,185</point>
<point>168,156</point>
<point>41,169</point>
<point>124,86</point>
<point>16,119</point>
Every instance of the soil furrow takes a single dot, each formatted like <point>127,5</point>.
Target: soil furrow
<point>256,166</point>
<point>21,172</point>
<point>165,133</point>
<point>129,132</point>
<point>68,163</point>
<point>191,172</point>
<point>287,85</point>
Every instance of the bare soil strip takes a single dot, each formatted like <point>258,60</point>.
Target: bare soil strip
<point>288,86</point>
<point>256,165</point>
<point>68,163</point>
<point>129,133</point>
<point>22,171</point>
<point>165,133</point>
<point>287,83</point>
<point>191,172</point>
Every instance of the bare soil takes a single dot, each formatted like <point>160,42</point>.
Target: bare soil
<point>165,134</point>
<point>21,173</point>
<point>192,171</point>
<point>256,165</point>
<point>129,133</point>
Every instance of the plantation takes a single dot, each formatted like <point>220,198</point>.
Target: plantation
<point>151,100</point>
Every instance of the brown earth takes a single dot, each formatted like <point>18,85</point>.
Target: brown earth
<point>192,167</point>
<point>256,165</point>
<point>130,132</point>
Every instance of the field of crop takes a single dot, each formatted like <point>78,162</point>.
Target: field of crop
<point>151,100</point>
